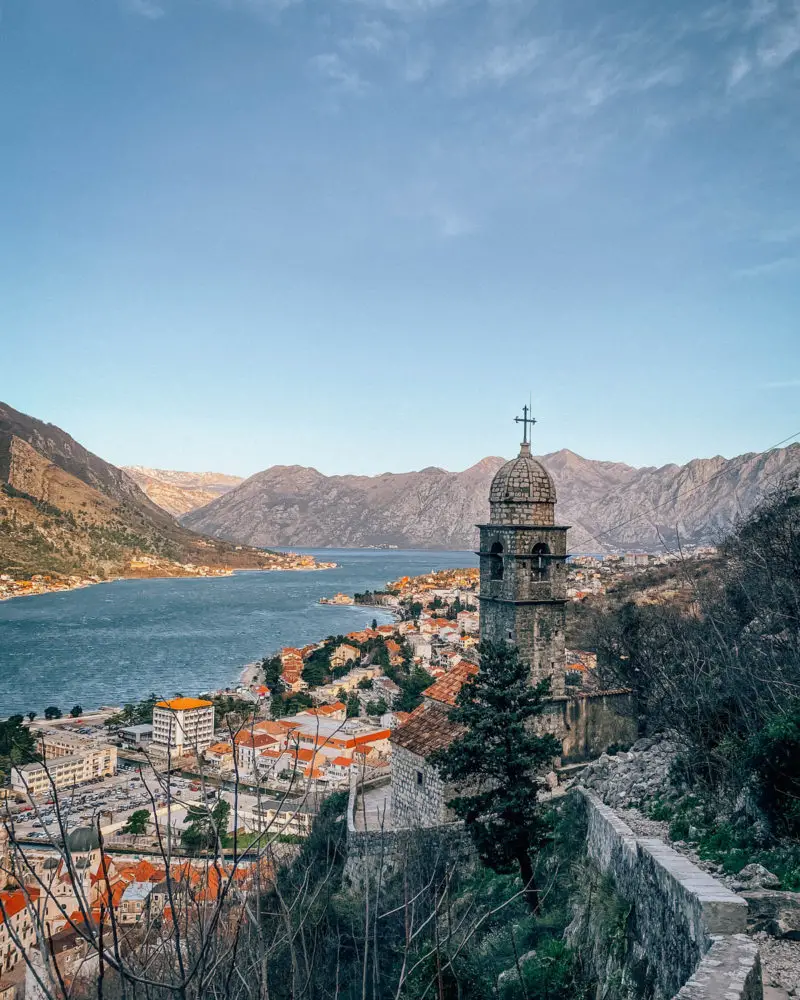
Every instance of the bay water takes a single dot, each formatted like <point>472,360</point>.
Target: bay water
<point>116,642</point>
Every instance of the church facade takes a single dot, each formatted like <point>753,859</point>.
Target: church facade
<point>523,582</point>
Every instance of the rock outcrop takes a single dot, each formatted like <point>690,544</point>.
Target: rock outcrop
<point>181,492</point>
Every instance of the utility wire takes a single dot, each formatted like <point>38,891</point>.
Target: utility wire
<point>693,489</point>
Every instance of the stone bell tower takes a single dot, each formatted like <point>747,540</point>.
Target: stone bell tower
<point>523,565</point>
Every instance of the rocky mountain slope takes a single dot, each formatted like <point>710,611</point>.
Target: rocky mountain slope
<point>610,505</point>
<point>180,492</point>
<point>65,510</point>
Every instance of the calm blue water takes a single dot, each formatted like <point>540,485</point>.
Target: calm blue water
<point>116,642</point>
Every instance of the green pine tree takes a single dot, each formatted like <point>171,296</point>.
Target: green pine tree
<point>497,762</point>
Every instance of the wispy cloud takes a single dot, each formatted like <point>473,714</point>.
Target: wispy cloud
<point>145,8</point>
<point>780,265</point>
<point>268,10</point>
<point>371,35</point>
<point>784,233</point>
<point>405,8</point>
<point>780,43</point>
<point>418,63</point>
<point>338,74</point>
<point>739,69</point>
<point>759,12</point>
<point>505,62</point>
<point>428,201</point>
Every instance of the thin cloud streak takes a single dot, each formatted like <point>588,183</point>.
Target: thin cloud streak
<point>339,75</point>
<point>147,9</point>
<point>779,266</point>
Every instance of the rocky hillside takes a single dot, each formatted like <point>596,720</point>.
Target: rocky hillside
<point>610,505</point>
<point>181,492</point>
<point>65,510</point>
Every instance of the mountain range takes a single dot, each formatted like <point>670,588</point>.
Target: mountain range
<point>180,492</point>
<point>610,506</point>
<point>64,510</point>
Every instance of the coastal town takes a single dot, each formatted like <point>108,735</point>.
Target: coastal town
<point>115,815</point>
<point>308,713</point>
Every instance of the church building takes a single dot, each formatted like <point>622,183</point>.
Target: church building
<point>523,584</point>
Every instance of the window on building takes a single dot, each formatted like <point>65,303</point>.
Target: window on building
<point>540,563</point>
<point>496,561</point>
<point>420,778</point>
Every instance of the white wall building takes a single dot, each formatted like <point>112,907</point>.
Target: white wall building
<point>183,725</point>
<point>67,759</point>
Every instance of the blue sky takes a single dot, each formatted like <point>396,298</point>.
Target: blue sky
<point>357,234</point>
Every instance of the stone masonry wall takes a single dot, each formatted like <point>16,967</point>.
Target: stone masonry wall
<point>690,928</point>
<point>370,850</point>
<point>594,721</point>
<point>536,629</point>
<point>415,802</point>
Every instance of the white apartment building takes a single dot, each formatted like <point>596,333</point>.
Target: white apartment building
<point>67,759</point>
<point>18,921</point>
<point>183,725</point>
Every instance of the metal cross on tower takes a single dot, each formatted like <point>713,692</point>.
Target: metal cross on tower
<point>525,420</point>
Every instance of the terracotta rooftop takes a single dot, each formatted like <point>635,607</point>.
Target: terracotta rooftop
<point>430,730</point>
<point>184,704</point>
<point>447,687</point>
<point>248,739</point>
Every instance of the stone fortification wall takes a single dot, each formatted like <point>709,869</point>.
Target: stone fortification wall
<point>368,850</point>
<point>688,929</point>
<point>596,720</point>
<point>418,792</point>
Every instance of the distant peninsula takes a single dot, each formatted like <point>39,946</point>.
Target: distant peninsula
<point>68,519</point>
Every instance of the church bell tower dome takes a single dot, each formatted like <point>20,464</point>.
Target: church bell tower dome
<point>522,491</point>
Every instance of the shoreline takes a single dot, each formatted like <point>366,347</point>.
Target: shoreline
<point>250,673</point>
<point>223,574</point>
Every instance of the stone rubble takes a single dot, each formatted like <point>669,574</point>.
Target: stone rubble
<point>642,774</point>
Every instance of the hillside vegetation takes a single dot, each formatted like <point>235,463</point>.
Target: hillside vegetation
<point>64,510</point>
<point>721,675</point>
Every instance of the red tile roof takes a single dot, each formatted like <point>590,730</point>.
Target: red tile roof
<point>15,900</point>
<point>430,730</point>
<point>447,687</point>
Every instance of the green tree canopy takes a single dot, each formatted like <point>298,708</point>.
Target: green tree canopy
<point>316,669</point>
<point>52,712</point>
<point>290,704</point>
<point>205,827</point>
<point>380,655</point>
<point>272,667</point>
<point>353,705</point>
<point>411,687</point>
<point>497,763</point>
<point>137,822</point>
<point>17,743</point>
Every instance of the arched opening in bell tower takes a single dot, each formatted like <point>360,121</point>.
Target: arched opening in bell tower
<point>496,561</point>
<point>540,563</point>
